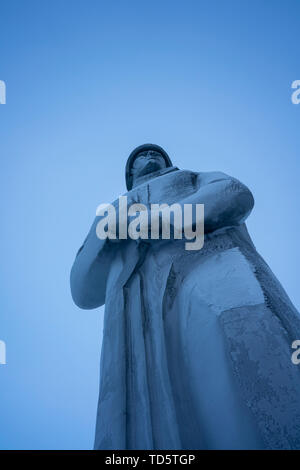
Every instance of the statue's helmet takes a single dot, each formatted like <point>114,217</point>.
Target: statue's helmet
<point>136,152</point>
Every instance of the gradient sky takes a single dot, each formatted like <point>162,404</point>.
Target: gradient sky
<point>87,81</point>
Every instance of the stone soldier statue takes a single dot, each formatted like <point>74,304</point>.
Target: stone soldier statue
<point>196,347</point>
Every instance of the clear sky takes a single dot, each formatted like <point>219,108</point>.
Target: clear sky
<point>87,81</point>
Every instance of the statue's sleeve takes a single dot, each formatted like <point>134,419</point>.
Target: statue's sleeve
<point>90,270</point>
<point>226,200</point>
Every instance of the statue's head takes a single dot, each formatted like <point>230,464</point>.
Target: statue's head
<point>145,160</point>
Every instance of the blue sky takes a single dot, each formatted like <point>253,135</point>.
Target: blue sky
<point>87,81</point>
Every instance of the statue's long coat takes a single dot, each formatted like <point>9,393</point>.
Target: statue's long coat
<point>196,347</point>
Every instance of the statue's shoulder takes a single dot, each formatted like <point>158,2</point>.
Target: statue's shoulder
<point>201,178</point>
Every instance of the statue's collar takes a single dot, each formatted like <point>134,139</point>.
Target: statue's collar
<point>155,174</point>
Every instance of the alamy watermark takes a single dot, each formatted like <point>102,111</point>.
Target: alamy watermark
<point>296,94</point>
<point>163,221</point>
<point>2,352</point>
<point>296,354</point>
<point>2,92</point>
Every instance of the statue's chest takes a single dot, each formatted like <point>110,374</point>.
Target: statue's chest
<point>167,189</point>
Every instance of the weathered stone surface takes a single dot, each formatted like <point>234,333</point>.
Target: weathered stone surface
<point>196,348</point>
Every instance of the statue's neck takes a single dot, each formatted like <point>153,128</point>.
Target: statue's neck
<point>154,174</point>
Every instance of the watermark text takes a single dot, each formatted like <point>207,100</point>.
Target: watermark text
<point>2,352</point>
<point>296,94</point>
<point>2,92</point>
<point>162,221</point>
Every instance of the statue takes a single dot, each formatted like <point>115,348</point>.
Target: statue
<point>196,347</point>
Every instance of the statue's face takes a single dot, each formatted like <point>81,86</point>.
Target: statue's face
<point>146,163</point>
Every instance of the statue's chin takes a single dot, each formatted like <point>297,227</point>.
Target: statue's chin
<point>149,169</point>
<point>142,179</point>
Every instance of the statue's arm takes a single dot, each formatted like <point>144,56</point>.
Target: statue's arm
<point>90,270</point>
<point>226,200</point>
